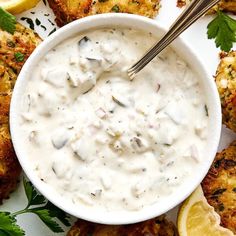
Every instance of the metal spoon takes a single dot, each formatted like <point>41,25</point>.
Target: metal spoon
<point>193,12</point>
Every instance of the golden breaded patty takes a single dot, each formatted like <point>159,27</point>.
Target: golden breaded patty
<point>224,5</point>
<point>14,50</point>
<point>182,3</point>
<point>22,42</point>
<point>4,108</point>
<point>69,10</point>
<point>158,226</point>
<point>7,77</point>
<point>226,83</point>
<point>9,167</point>
<point>219,186</point>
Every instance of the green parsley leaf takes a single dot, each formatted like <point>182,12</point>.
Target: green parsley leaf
<point>46,212</point>
<point>19,56</point>
<point>2,233</point>
<point>58,213</point>
<point>7,21</point>
<point>115,8</point>
<point>223,29</point>
<point>34,198</point>
<point>8,226</point>
<point>44,215</point>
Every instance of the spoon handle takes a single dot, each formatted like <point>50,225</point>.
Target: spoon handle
<point>192,13</point>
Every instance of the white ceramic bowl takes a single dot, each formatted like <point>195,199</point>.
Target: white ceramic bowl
<point>141,23</point>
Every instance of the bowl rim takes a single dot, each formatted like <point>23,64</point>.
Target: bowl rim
<point>52,41</point>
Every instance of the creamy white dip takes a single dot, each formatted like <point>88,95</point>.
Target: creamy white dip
<point>104,141</point>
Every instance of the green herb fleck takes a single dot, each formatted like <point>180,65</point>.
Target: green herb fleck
<point>206,110</point>
<point>221,207</point>
<point>234,190</point>
<point>219,191</point>
<point>136,2</point>
<point>10,44</point>
<point>223,29</point>
<point>19,56</point>
<point>7,21</point>
<point>217,163</point>
<point>167,144</point>
<point>118,102</point>
<point>115,8</point>
<point>102,0</point>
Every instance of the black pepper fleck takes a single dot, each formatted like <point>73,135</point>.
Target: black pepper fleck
<point>37,21</point>
<point>54,30</point>
<point>42,26</point>
<point>28,21</point>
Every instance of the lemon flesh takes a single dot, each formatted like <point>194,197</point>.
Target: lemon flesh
<point>18,6</point>
<point>197,218</point>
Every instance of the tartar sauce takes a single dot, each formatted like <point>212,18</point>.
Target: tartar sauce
<point>104,141</point>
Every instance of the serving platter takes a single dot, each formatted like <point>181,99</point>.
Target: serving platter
<point>41,19</point>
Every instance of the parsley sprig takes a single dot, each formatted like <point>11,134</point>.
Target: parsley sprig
<point>7,21</point>
<point>223,29</point>
<point>38,205</point>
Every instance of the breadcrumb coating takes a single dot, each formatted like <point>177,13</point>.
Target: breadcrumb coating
<point>224,5</point>
<point>219,186</point>
<point>23,42</point>
<point>158,226</point>
<point>69,10</point>
<point>226,83</point>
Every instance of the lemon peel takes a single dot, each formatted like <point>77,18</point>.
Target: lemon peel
<point>17,6</point>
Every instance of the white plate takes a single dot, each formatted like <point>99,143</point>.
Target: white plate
<point>196,37</point>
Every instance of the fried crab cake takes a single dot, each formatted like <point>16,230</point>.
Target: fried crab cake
<point>4,108</point>
<point>226,83</point>
<point>9,167</point>
<point>182,3</point>
<point>224,5</point>
<point>219,186</point>
<point>158,226</point>
<point>14,50</point>
<point>69,10</point>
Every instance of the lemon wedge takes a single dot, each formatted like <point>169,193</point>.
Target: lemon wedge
<point>197,218</point>
<point>17,6</point>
